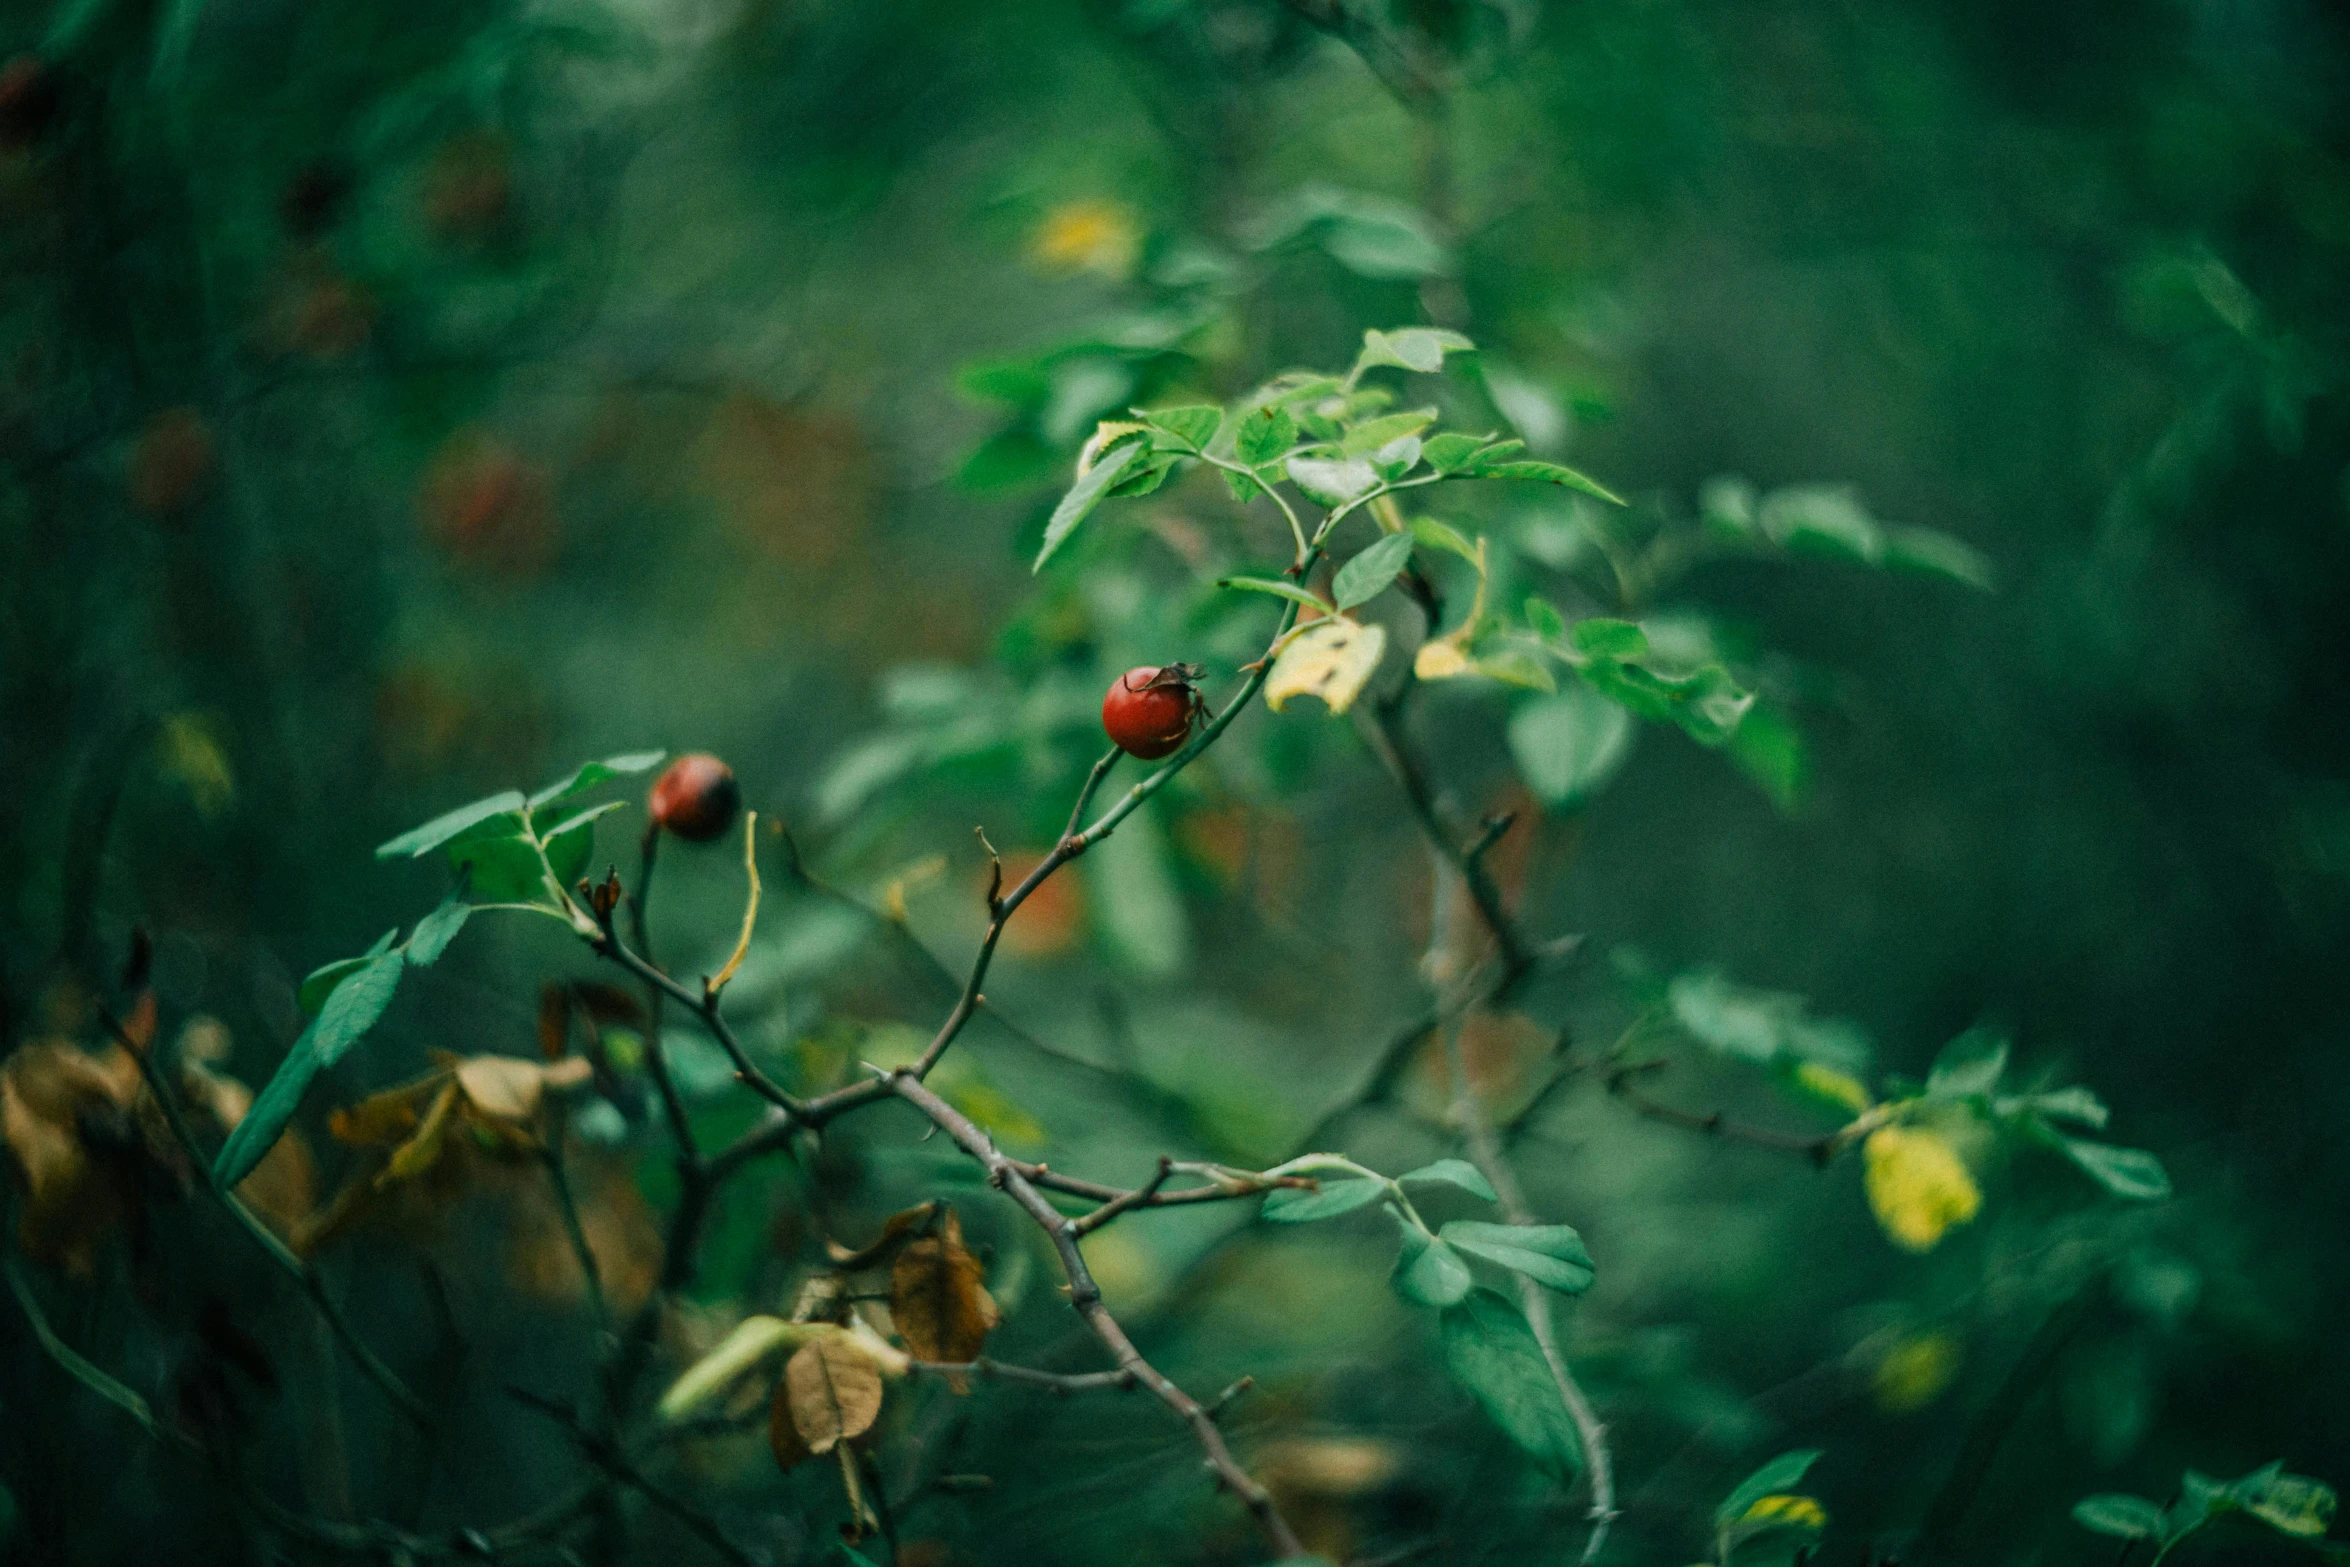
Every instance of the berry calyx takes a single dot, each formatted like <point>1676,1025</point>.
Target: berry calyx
<point>696,797</point>
<point>1150,710</point>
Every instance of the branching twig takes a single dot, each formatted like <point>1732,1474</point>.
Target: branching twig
<point>1086,1297</point>
<point>1051,1381</point>
<point>1714,1123</point>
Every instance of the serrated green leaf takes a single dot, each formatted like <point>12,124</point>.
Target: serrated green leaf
<point>1428,1272</point>
<point>1295,1205</point>
<point>1544,620</point>
<point>2120,1515</point>
<point>2132,1173</point>
<point>589,774</point>
<point>1782,1473</point>
<point>1264,435</point>
<point>1490,1350</point>
<point>1600,637</point>
<point>1371,434</point>
<point>1452,1172</point>
<point>1277,587</point>
<point>499,869</point>
<point>1333,483</point>
<point>349,1013</point>
<point>436,930</point>
<point>1365,577</point>
<point>1192,426</point>
<point>1083,496</point>
<point>1545,473</point>
<point>442,828</point>
<point>321,981</point>
<point>1515,667</point>
<point>1449,452</point>
<point>1417,348</point>
<point>1552,1255</point>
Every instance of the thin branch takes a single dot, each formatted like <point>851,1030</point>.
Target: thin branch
<point>656,1055</point>
<point>297,1268</point>
<point>1086,1296</point>
<point>1620,1083</point>
<point>1051,1381</point>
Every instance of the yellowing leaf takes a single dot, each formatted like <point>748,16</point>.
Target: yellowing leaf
<point>1442,659</point>
<point>1782,1511</point>
<point>835,1390</point>
<point>753,1340</point>
<point>1917,1185</point>
<point>1914,1372</point>
<point>1837,1088</point>
<point>1331,660</point>
<point>193,757</point>
<point>1087,236</point>
<point>513,1090</point>
<point>2294,1504</point>
<point>938,1298</point>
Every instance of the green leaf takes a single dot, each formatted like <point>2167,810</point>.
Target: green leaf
<point>1546,473</point>
<point>2132,1173</point>
<point>1600,637</point>
<point>1782,1473</point>
<point>422,840</point>
<point>1443,536</point>
<point>436,930</point>
<point>1544,620</point>
<point>1332,483</point>
<point>1397,458</point>
<point>2075,1104</point>
<point>1265,434</point>
<point>1822,519</point>
<point>572,844</point>
<point>1769,750</point>
<point>1428,1271</point>
<point>322,980</point>
<point>2118,1514</point>
<point>499,869</point>
<point>1365,577</point>
<point>1452,1172</point>
<point>347,1016</point>
<point>1371,434</point>
<point>1278,588</point>
<point>1763,1026</point>
<point>1552,1255</point>
<point>590,774</point>
<point>1412,348</point>
<point>2290,1504</point>
<point>1193,425</point>
<point>1244,488</point>
<point>1969,1067</point>
<point>1937,554</point>
<point>1450,452</point>
<point>1083,496</point>
<point>1295,1205</point>
<point>1490,1351</point>
<point>1568,746</point>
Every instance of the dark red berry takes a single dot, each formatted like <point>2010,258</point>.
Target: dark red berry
<point>696,798</point>
<point>29,100</point>
<point>1149,711</point>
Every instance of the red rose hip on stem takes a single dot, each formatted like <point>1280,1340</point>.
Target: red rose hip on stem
<point>1150,710</point>
<point>696,798</point>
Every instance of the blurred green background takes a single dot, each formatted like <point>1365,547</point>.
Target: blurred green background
<point>399,403</point>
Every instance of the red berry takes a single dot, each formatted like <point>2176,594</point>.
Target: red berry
<point>696,798</point>
<point>1149,711</point>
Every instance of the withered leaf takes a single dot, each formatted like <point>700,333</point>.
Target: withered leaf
<point>388,1117</point>
<point>938,1297</point>
<point>511,1090</point>
<point>73,1201</point>
<point>554,1021</point>
<point>895,1232</point>
<point>783,1436</point>
<point>835,1391</point>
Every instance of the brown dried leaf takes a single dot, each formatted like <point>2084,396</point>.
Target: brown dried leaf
<point>938,1297</point>
<point>421,1152</point>
<point>386,1118</point>
<point>834,1390</point>
<point>72,1200</point>
<point>554,1021</point>
<point>895,1232</point>
<point>511,1091</point>
<point>609,1004</point>
<point>783,1437</point>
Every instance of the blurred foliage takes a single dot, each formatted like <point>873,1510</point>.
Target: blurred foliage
<point>399,404</point>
